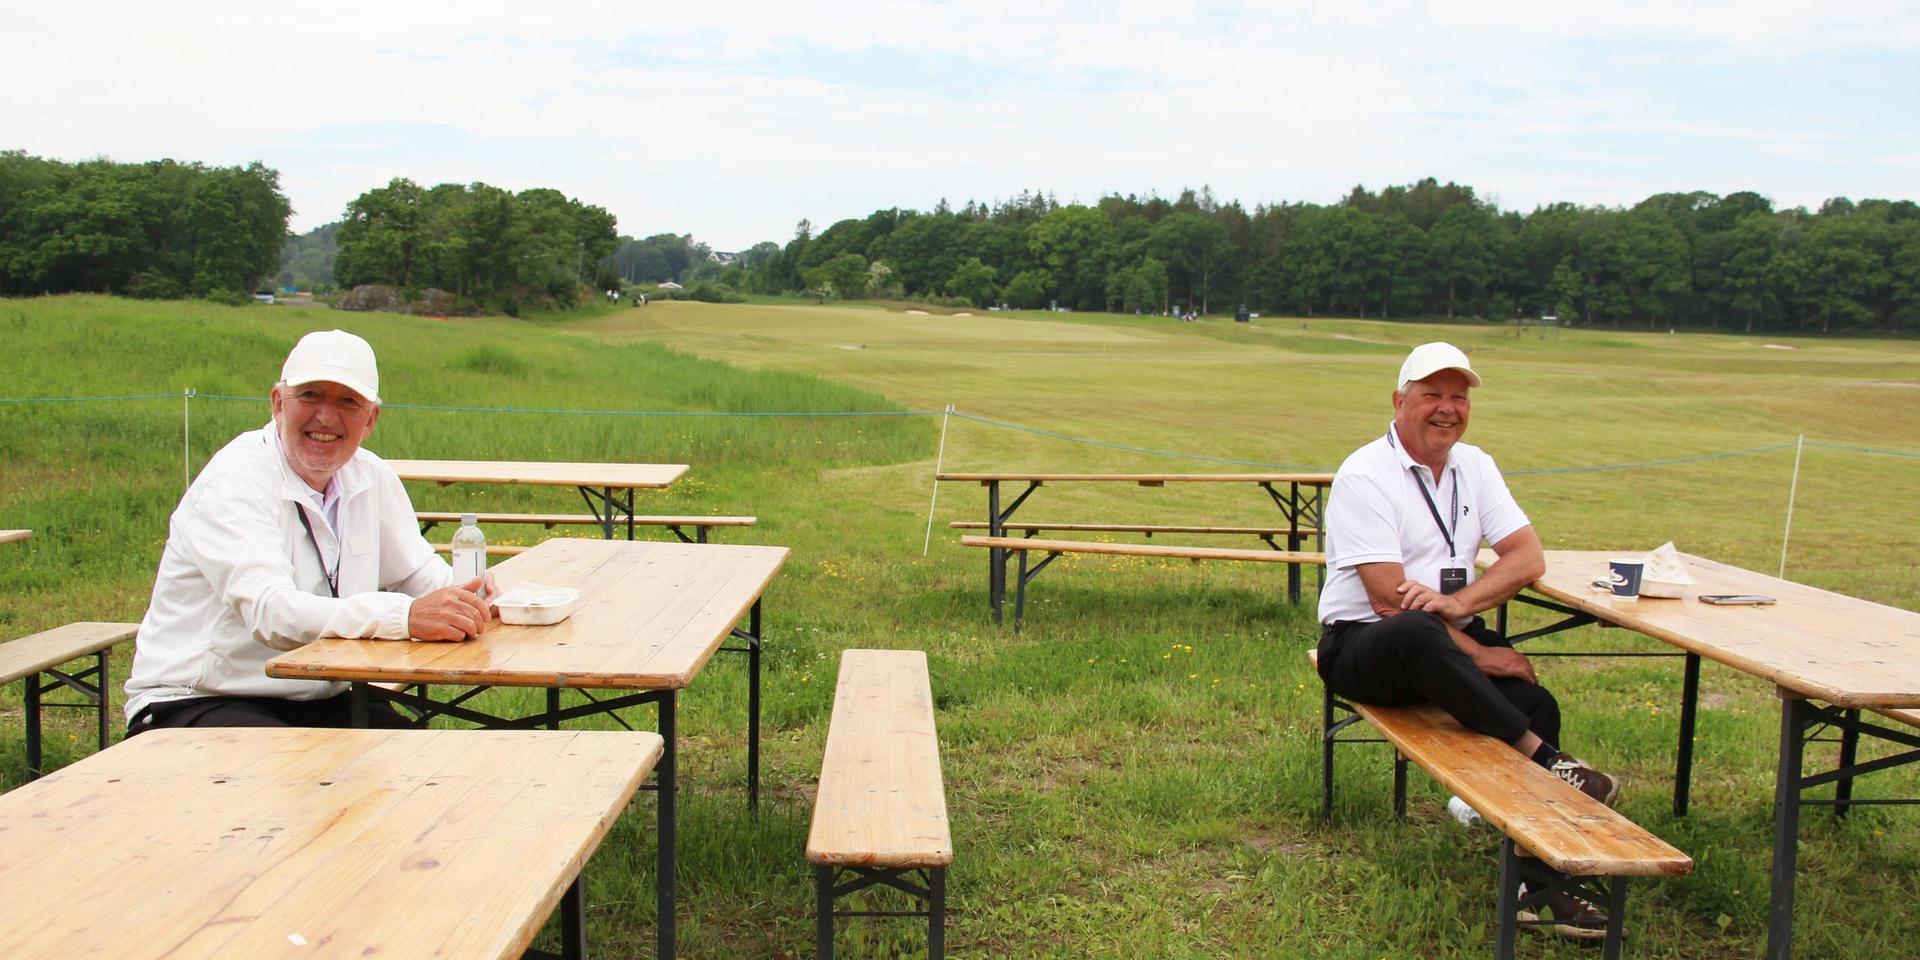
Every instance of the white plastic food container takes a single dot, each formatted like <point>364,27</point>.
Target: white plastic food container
<point>536,605</point>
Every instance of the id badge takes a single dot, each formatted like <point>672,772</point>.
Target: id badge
<point>1452,579</point>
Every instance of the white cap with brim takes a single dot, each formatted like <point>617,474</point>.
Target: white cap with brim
<point>334,356</point>
<point>1428,359</point>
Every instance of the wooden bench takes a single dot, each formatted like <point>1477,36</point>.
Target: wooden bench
<point>1149,529</point>
<point>1561,827</point>
<point>700,525</point>
<point>43,653</point>
<point>1054,548</point>
<point>881,811</point>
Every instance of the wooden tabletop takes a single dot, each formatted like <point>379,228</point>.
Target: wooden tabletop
<point>654,612</point>
<point>299,843</point>
<point>646,476</point>
<point>1840,649</point>
<point>1150,479</point>
<point>9,536</point>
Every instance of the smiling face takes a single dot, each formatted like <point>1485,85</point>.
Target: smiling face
<point>321,426</point>
<point>1431,416</point>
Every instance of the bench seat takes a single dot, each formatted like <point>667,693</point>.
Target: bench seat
<point>1054,548</point>
<point>43,653</point>
<point>1538,812</point>
<point>881,811</point>
<point>1148,529</point>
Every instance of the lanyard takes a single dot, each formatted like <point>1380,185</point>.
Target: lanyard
<point>1453,508</point>
<point>333,576</point>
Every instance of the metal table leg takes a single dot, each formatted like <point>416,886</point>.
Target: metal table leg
<point>1795,714</point>
<point>667,781</point>
<point>1683,764</point>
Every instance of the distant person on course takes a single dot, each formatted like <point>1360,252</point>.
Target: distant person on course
<point>1404,521</point>
<point>291,533</point>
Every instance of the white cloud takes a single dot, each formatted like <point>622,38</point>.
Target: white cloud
<point>735,120</point>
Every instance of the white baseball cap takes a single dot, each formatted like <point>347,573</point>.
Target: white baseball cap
<point>1428,359</point>
<point>334,356</point>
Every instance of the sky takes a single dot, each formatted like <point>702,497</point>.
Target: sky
<point>735,120</point>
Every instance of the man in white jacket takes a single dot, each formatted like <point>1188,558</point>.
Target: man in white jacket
<point>291,533</point>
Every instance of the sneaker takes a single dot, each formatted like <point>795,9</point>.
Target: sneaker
<point>1585,779</point>
<point>1575,918</point>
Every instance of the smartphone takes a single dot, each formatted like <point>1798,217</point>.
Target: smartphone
<point>1736,599</point>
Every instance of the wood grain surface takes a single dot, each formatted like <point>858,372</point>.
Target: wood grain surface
<point>654,612</point>
<point>882,802</point>
<point>51,648</point>
<point>621,475</point>
<point>1812,642</point>
<point>301,843</point>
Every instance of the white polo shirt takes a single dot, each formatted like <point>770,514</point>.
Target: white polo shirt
<point>1376,514</point>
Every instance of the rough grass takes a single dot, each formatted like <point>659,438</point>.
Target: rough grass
<point>1136,775</point>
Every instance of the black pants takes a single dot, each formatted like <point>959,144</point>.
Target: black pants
<point>1410,658</point>
<point>335,711</point>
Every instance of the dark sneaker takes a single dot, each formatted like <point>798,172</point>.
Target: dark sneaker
<point>1585,779</point>
<point>1573,917</point>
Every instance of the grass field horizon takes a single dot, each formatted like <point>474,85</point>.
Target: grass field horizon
<point>1135,775</point>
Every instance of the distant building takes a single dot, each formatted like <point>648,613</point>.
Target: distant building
<point>670,285</point>
<point>723,259</point>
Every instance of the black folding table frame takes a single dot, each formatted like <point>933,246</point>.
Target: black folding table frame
<point>1295,505</point>
<point>89,683</point>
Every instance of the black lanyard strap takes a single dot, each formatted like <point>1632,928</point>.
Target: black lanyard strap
<point>333,576</point>
<point>1453,510</point>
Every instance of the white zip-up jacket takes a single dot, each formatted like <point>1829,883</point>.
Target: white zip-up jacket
<point>240,582</point>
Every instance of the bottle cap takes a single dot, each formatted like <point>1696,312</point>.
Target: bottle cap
<point>469,519</point>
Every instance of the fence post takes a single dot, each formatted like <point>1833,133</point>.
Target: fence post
<point>938,459</point>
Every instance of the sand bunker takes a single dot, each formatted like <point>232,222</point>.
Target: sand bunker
<point>1778,346</point>
<point>916,313</point>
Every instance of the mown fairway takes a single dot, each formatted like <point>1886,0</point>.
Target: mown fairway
<point>1136,775</point>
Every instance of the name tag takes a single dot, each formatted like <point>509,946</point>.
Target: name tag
<point>1453,579</point>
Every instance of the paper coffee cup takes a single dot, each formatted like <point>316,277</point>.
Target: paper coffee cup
<point>1624,577</point>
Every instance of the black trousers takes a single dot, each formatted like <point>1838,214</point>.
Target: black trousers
<point>1410,658</point>
<point>335,711</point>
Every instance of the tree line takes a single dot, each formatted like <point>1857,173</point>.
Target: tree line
<point>1422,250</point>
<point>478,242</point>
<point>160,229</point>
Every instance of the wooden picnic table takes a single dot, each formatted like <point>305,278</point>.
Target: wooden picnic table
<point>298,843</point>
<point>1301,497</point>
<point>9,536</point>
<point>654,613</point>
<point>1815,646</point>
<point>607,488</point>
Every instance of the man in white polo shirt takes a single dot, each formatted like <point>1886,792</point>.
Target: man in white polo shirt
<point>1399,612</point>
<point>291,533</point>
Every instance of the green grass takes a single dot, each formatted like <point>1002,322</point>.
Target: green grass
<point>1136,775</point>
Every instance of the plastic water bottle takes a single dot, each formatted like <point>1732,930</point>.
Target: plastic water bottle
<point>1463,813</point>
<point>469,549</point>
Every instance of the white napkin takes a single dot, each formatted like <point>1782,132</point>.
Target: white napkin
<point>1664,564</point>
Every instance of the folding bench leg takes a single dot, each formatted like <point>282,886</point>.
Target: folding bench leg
<point>1399,785</point>
<point>100,702</point>
<point>1326,754</point>
<point>823,912</point>
<point>937,913</point>
<point>1508,893</point>
<point>30,699</point>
